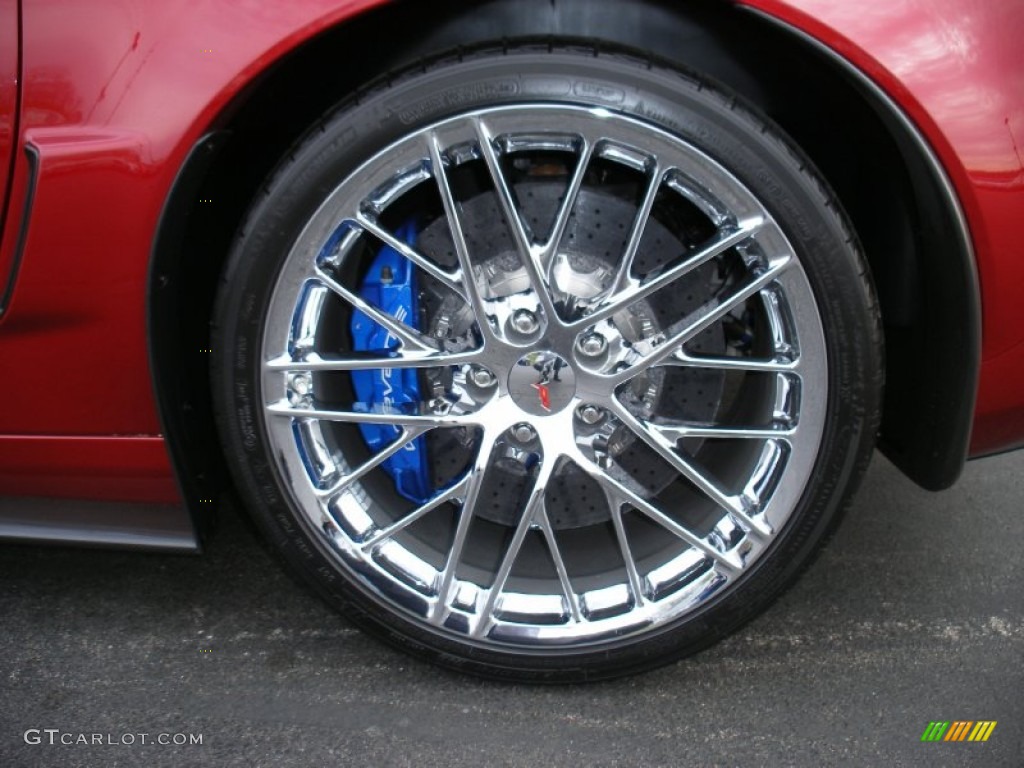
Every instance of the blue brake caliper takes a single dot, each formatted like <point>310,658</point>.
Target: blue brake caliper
<point>390,285</point>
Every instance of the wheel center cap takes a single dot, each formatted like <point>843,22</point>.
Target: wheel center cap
<point>542,383</point>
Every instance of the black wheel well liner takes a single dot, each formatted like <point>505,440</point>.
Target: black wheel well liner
<point>883,172</point>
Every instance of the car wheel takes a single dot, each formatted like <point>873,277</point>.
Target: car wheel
<point>545,363</point>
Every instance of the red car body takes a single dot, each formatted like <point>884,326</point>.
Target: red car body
<point>103,104</point>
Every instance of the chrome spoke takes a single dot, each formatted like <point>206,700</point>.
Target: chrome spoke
<point>624,495</point>
<point>284,408</point>
<point>529,255</point>
<point>451,212</point>
<point>528,519</point>
<point>665,449</point>
<point>681,359</point>
<point>564,213</point>
<point>732,504</point>
<point>407,435</point>
<point>407,335</point>
<point>632,574</point>
<point>697,322</point>
<point>452,280</point>
<point>675,432</point>
<point>655,176</point>
<point>469,501</point>
<point>369,362</point>
<point>384,534</point>
<point>640,289</point>
<point>544,523</point>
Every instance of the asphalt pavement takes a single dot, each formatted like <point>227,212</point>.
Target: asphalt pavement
<point>914,613</point>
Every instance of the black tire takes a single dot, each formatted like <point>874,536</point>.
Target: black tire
<point>678,103</point>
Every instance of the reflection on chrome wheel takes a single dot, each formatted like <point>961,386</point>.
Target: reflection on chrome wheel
<point>541,380</point>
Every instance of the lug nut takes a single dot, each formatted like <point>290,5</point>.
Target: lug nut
<point>592,345</point>
<point>524,433</point>
<point>589,414</point>
<point>300,384</point>
<point>482,378</point>
<point>525,321</point>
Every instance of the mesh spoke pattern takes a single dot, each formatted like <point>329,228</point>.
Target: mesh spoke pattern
<point>676,386</point>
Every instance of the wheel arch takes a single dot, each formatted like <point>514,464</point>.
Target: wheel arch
<point>848,127</point>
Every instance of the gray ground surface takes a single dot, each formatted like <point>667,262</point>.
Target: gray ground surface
<point>914,613</point>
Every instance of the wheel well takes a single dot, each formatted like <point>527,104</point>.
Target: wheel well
<point>851,133</point>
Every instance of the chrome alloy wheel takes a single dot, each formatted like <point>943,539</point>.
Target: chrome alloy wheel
<point>620,373</point>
